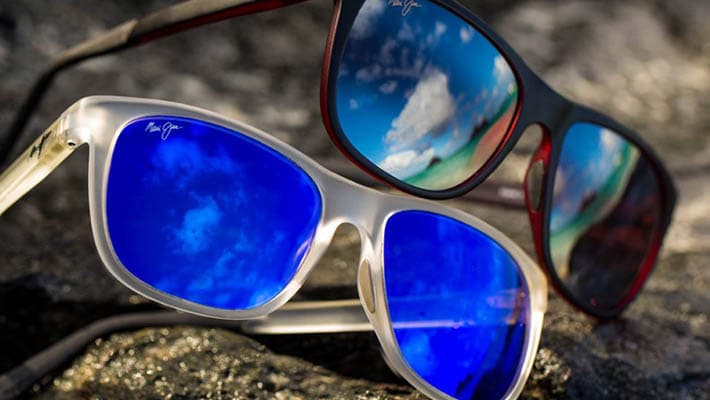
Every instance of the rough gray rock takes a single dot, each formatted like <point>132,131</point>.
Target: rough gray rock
<point>188,363</point>
<point>647,63</point>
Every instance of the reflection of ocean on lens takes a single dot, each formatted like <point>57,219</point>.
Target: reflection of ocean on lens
<point>484,140</point>
<point>426,98</point>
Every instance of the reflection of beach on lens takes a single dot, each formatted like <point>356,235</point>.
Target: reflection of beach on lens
<point>463,164</point>
<point>596,244</point>
<point>425,96</point>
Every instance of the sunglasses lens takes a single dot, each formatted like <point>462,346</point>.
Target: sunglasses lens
<point>458,304</point>
<point>207,214</point>
<point>605,215</point>
<point>421,94</point>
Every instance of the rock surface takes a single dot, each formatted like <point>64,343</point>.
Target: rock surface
<point>647,63</point>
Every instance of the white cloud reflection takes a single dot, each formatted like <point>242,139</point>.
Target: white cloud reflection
<point>466,34</point>
<point>197,226</point>
<point>428,111</point>
<point>388,87</point>
<point>501,71</point>
<point>407,163</point>
<point>367,18</point>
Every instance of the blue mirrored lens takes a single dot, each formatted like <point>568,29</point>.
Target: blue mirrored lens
<point>457,302</point>
<point>207,214</point>
<point>606,210</point>
<point>422,94</point>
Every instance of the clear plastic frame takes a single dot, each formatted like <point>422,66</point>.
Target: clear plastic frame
<point>98,121</point>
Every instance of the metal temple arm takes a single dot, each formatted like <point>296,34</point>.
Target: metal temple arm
<point>32,166</point>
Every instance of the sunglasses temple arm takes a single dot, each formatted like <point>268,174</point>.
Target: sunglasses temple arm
<point>496,193</point>
<point>33,165</point>
<point>161,23</point>
<point>305,317</point>
<point>296,317</point>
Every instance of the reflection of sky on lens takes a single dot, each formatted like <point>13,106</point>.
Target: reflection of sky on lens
<point>590,156</point>
<point>412,88</point>
<point>592,175</point>
<point>457,304</point>
<point>605,214</point>
<point>208,215</point>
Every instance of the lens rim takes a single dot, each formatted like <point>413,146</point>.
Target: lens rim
<point>344,15</point>
<point>124,111</point>
<point>550,154</point>
<point>531,276</point>
<point>228,137</point>
<point>530,327</point>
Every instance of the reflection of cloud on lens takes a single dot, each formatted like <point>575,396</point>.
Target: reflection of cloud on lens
<point>385,56</point>
<point>407,163</point>
<point>343,69</point>
<point>183,160</point>
<point>466,34</point>
<point>406,33</point>
<point>417,349</point>
<point>224,261</point>
<point>428,111</point>
<point>501,71</point>
<point>354,105</point>
<point>610,141</point>
<point>198,224</point>
<point>369,74</point>
<point>393,60</point>
<point>483,95</point>
<point>388,87</point>
<point>439,30</point>
<point>367,18</point>
<point>177,154</point>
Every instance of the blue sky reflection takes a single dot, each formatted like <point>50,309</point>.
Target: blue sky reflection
<point>418,90</point>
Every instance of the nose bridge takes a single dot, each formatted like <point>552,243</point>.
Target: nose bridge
<point>362,207</point>
<point>545,106</point>
<point>346,202</point>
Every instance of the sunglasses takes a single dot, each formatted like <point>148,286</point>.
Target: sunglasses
<point>215,218</point>
<point>426,97</point>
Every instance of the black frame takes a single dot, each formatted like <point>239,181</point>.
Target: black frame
<point>537,104</point>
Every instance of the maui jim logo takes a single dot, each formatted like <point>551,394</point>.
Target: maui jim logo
<point>165,129</point>
<point>406,5</point>
<point>37,147</point>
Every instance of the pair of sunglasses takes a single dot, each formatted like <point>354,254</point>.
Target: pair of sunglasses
<point>424,96</point>
<point>217,219</point>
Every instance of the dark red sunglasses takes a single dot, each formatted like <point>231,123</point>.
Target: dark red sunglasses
<point>424,96</point>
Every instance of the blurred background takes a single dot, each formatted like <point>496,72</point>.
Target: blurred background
<point>646,63</point>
